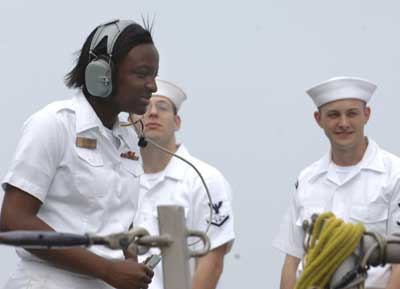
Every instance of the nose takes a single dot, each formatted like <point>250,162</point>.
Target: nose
<point>151,84</point>
<point>151,110</point>
<point>343,122</point>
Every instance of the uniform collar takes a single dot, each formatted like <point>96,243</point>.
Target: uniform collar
<point>86,119</point>
<point>372,160</point>
<point>176,168</point>
<point>127,134</point>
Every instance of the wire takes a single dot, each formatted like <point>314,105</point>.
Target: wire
<point>141,135</point>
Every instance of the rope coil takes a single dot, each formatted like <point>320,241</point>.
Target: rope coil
<point>332,241</point>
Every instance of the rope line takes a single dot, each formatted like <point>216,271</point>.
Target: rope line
<point>332,241</point>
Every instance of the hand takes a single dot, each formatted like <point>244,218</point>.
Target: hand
<point>128,274</point>
<point>131,252</point>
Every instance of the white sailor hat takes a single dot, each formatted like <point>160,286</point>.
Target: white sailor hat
<point>170,91</point>
<point>341,88</point>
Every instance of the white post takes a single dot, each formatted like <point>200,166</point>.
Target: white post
<point>175,260</point>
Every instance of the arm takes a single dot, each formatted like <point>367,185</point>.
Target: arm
<point>19,212</point>
<point>209,269</point>
<point>288,274</point>
<point>393,228</point>
<point>394,280</point>
<point>290,241</point>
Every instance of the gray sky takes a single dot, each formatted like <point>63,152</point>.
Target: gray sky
<point>245,66</point>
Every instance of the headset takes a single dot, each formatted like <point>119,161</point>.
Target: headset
<point>98,73</point>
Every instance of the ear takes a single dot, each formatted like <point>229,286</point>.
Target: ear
<point>317,117</point>
<point>367,113</point>
<point>177,122</point>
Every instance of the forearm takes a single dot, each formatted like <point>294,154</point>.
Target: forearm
<point>288,281</point>
<point>394,280</point>
<point>288,275</point>
<point>19,212</point>
<point>206,277</point>
<point>209,269</point>
<point>122,274</point>
<point>78,260</point>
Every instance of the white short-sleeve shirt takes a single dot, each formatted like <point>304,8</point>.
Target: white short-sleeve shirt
<point>370,194</point>
<point>179,185</point>
<point>83,190</point>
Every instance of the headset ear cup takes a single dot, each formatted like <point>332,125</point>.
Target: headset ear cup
<point>98,78</point>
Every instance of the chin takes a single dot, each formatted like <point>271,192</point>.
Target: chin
<point>137,110</point>
<point>150,133</point>
<point>341,143</point>
<point>345,144</point>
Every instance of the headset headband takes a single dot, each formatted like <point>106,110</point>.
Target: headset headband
<point>112,30</point>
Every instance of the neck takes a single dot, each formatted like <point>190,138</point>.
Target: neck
<point>349,156</point>
<point>104,110</point>
<point>155,160</point>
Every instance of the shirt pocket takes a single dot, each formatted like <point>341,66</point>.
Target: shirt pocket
<point>91,157</point>
<point>147,217</point>
<point>154,212</point>
<point>373,216</point>
<point>133,167</point>
<point>307,212</point>
<point>91,177</point>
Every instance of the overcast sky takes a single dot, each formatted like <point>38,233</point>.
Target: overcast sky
<point>245,66</point>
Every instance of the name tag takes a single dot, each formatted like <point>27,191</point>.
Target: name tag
<point>87,143</point>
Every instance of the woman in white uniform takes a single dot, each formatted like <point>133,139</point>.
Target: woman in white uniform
<point>69,173</point>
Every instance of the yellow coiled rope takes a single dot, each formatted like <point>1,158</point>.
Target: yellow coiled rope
<point>332,241</point>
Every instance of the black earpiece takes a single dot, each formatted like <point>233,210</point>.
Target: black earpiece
<point>142,142</point>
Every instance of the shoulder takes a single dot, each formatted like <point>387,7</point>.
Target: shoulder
<point>60,105</point>
<point>53,112</point>
<point>209,172</point>
<point>311,170</point>
<point>50,122</point>
<point>391,162</point>
<point>214,179</point>
<point>388,157</point>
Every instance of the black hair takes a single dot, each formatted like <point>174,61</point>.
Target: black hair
<point>133,35</point>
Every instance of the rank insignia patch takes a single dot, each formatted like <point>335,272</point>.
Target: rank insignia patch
<point>218,218</point>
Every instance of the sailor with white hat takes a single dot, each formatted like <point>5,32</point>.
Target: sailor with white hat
<point>170,181</point>
<point>354,180</point>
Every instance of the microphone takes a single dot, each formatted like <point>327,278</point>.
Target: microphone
<point>142,142</point>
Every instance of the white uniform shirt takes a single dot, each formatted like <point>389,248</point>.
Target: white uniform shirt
<point>370,194</point>
<point>83,190</point>
<point>180,185</point>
